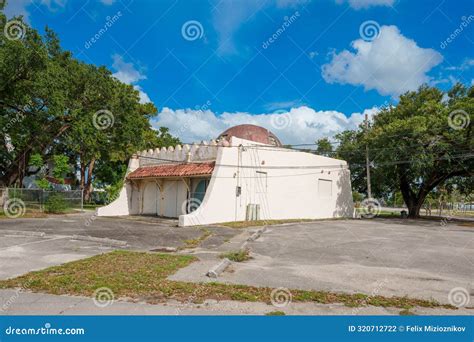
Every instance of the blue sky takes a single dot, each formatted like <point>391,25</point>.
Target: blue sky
<point>303,68</point>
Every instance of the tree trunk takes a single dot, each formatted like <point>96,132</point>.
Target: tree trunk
<point>83,174</point>
<point>414,209</point>
<point>414,201</point>
<point>14,172</point>
<point>88,184</point>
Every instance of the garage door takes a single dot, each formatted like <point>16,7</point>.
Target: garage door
<point>170,205</point>
<point>150,196</point>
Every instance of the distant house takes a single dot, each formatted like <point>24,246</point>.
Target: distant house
<point>246,174</point>
<point>46,173</point>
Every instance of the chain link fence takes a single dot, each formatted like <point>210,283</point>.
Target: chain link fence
<point>54,201</point>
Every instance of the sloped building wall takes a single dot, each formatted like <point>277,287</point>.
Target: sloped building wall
<point>286,184</point>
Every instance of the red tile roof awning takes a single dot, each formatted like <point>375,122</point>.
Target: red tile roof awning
<point>173,170</point>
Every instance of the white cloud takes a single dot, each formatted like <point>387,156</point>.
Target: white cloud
<point>283,105</point>
<point>390,64</point>
<point>143,96</point>
<point>229,16</point>
<point>20,7</point>
<point>17,8</point>
<point>363,4</point>
<point>304,124</point>
<point>127,73</point>
<point>465,65</point>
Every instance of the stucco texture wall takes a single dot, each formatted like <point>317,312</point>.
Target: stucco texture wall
<point>285,183</point>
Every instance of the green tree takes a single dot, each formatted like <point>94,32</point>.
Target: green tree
<point>33,99</point>
<point>415,146</point>
<point>324,147</point>
<point>61,167</point>
<point>52,104</point>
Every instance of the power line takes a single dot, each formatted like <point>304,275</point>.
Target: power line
<point>460,156</point>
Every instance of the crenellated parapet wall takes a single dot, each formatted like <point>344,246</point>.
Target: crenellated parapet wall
<point>204,151</point>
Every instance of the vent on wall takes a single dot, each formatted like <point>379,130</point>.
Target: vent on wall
<point>325,188</point>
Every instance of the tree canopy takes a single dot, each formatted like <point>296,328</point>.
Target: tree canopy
<point>416,146</point>
<point>324,147</point>
<point>53,104</point>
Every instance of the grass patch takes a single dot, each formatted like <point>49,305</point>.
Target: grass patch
<point>28,214</point>
<point>275,313</point>
<point>245,224</point>
<point>193,243</point>
<point>238,256</point>
<point>142,276</point>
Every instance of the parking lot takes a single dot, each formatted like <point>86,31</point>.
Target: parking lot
<point>420,259</point>
<point>28,244</point>
<point>21,252</point>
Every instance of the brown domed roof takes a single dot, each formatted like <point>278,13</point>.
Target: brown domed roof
<point>251,132</point>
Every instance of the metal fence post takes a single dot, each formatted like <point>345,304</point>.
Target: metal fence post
<point>82,200</point>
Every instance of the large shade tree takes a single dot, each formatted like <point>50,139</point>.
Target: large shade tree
<point>52,104</point>
<point>415,146</point>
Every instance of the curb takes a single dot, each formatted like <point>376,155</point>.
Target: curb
<point>23,232</point>
<point>101,240</point>
<point>243,247</point>
<point>218,269</point>
<point>257,234</point>
<point>164,249</point>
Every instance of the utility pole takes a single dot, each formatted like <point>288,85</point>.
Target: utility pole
<point>367,161</point>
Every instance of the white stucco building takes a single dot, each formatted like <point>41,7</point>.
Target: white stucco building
<point>245,174</point>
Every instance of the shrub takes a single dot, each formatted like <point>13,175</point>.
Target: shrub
<point>55,204</point>
<point>238,256</point>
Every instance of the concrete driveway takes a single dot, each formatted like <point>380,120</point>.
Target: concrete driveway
<point>22,252</point>
<point>138,232</point>
<point>420,259</point>
<point>32,244</point>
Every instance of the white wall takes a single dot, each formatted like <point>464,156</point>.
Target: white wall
<point>291,191</point>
